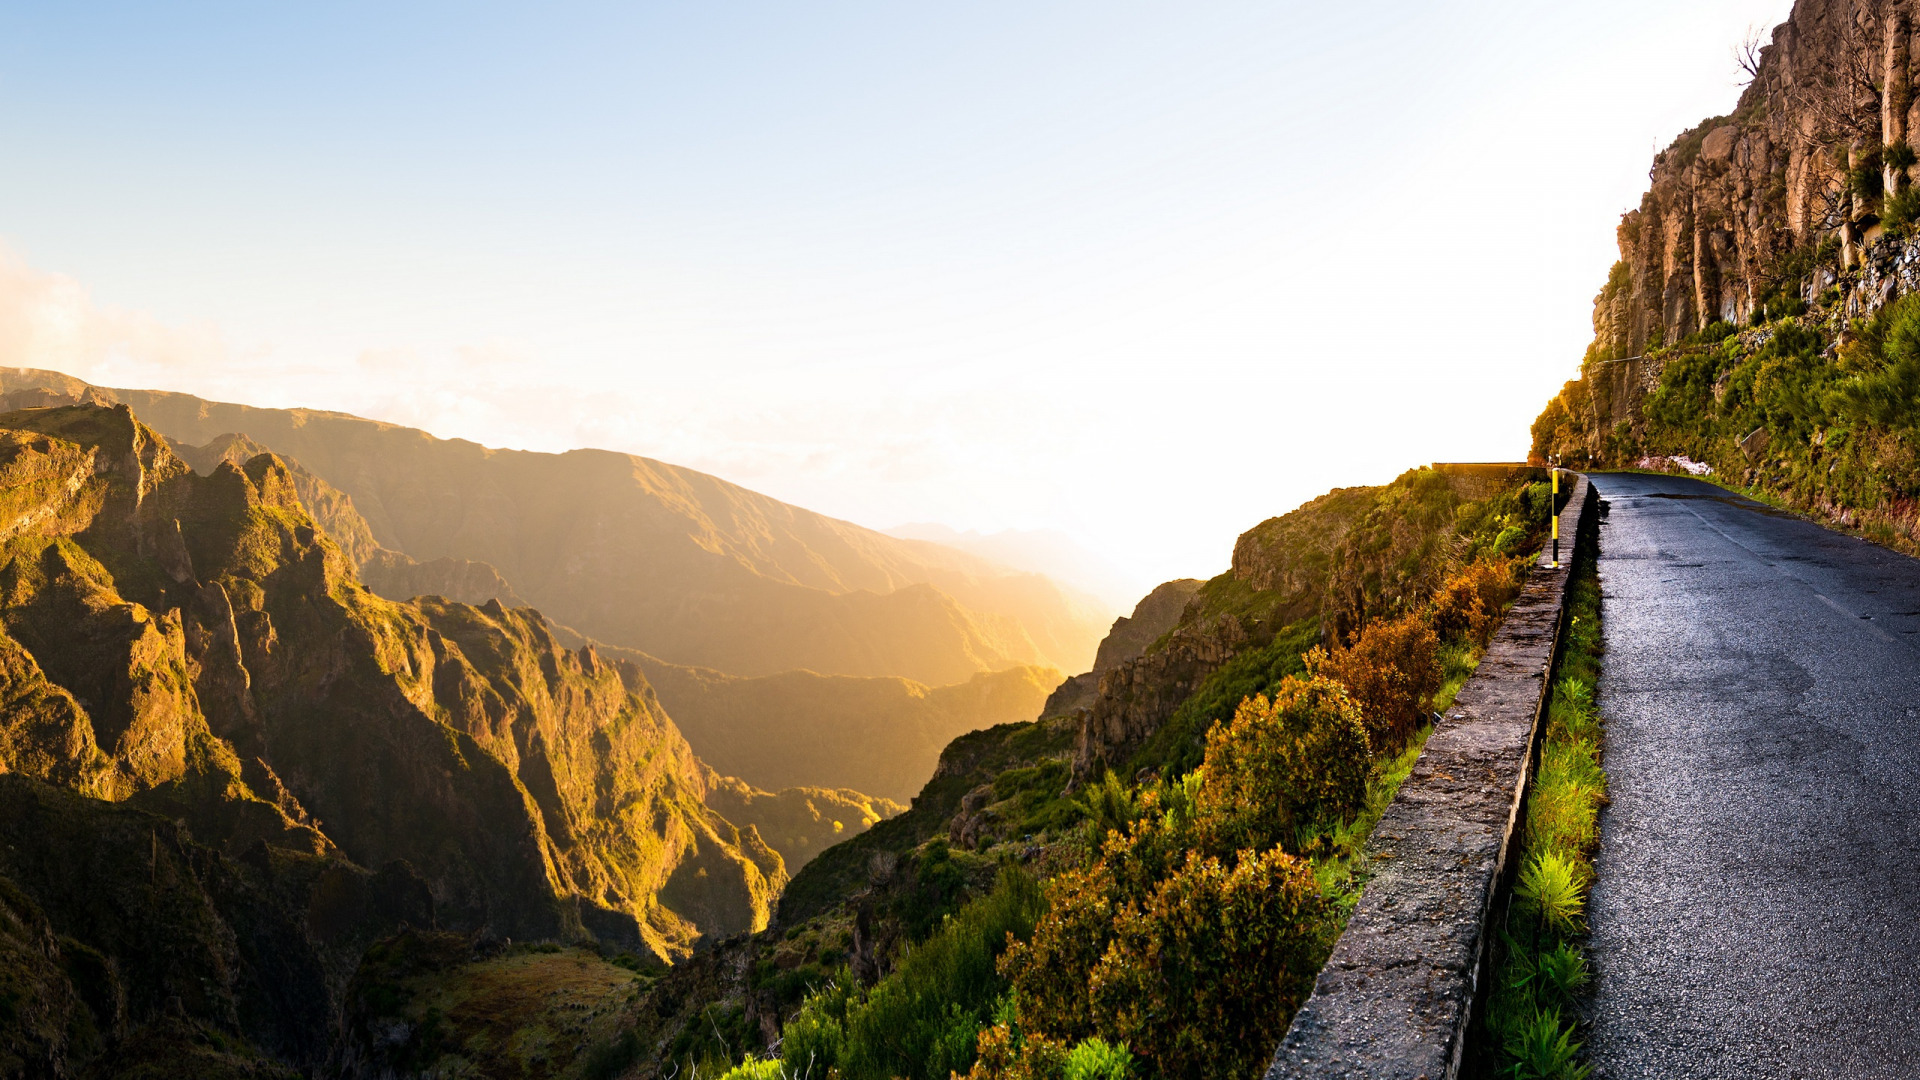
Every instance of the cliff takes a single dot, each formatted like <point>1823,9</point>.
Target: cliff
<point>1800,203</point>
<point>650,556</point>
<point>1759,325</point>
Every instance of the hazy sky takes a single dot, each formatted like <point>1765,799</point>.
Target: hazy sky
<point>1147,273</point>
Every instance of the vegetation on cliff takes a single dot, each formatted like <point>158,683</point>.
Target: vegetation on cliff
<point>1755,328</point>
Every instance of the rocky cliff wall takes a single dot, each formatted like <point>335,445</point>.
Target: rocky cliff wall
<point>1738,208</point>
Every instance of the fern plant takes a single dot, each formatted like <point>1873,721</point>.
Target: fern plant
<point>1561,971</point>
<point>1542,1048</point>
<point>1551,886</point>
<point>1108,805</point>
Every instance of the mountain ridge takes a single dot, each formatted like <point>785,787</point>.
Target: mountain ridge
<point>648,555</point>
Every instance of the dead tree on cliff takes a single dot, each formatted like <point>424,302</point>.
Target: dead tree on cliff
<point>1747,54</point>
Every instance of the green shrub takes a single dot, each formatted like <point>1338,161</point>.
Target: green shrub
<point>1108,805</point>
<point>1785,307</point>
<point>1299,760</point>
<point>1561,972</point>
<point>1550,888</point>
<point>1202,977</point>
<point>921,1021</point>
<point>756,1069</point>
<point>1901,210</point>
<point>1096,1060</point>
<point>1887,392</point>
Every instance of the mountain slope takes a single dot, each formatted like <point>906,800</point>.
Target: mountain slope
<point>878,735</point>
<point>788,731</point>
<point>650,556</point>
<point>194,645</point>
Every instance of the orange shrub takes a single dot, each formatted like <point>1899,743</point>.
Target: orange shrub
<point>1008,1055</point>
<point>1049,971</point>
<point>1469,602</point>
<point>1393,670</point>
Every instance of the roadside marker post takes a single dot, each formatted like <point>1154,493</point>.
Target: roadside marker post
<point>1553,507</point>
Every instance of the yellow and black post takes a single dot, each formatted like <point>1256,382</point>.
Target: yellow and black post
<point>1553,508</point>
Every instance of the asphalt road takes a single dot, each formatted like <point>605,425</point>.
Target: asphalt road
<point>1757,912</point>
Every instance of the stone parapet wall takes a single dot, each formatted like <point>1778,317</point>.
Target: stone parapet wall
<point>1395,999</point>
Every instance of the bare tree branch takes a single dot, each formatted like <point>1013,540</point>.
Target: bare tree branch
<point>1747,54</point>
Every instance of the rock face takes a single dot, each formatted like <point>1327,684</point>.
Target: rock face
<point>646,555</point>
<point>196,646</point>
<point>1139,695</point>
<point>1766,209</point>
<point>1154,615</point>
<point>1798,161</point>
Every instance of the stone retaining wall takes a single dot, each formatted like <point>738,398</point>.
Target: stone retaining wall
<point>1396,997</point>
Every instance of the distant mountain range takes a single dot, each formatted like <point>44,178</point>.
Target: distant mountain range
<point>639,553</point>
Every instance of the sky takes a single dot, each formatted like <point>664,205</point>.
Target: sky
<point>1142,273</point>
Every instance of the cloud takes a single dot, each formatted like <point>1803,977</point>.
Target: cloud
<point>48,320</point>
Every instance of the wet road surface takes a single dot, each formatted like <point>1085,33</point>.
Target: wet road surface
<point>1757,911</point>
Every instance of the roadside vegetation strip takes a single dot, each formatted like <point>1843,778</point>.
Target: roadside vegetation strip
<point>1540,969</point>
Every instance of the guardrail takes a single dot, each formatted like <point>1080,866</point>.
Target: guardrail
<point>1396,998</point>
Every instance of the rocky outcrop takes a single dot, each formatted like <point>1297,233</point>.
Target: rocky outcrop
<point>1131,635</point>
<point>1153,616</point>
<point>1138,696</point>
